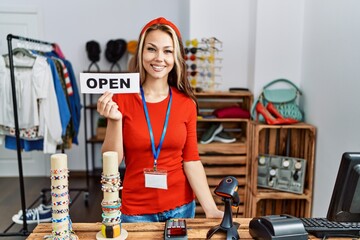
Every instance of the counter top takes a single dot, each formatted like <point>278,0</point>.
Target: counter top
<point>197,229</point>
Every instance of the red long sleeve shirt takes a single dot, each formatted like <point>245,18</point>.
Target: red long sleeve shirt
<point>180,144</point>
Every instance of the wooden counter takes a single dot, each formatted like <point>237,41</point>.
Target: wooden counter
<point>197,229</point>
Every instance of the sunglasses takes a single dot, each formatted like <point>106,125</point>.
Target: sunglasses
<point>192,73</point>
<point>193,50</point>
<point>208,74</point>
<point>211,40</point>
<point>193,82</point>
<point>192,66</point>
<point>206,67</point>
<point>193,42</point>
<point>191,58</point>
<point>210,59</point>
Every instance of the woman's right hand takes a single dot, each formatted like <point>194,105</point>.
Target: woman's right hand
<point>107,107</point>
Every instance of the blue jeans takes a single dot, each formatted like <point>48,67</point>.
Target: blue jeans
<point>184,211</point>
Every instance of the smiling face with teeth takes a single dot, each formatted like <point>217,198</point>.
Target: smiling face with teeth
<point>158,55</point>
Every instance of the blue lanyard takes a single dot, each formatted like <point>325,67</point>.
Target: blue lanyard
<point>156,152</point>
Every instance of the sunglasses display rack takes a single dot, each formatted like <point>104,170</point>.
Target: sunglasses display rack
<point>203,63</point>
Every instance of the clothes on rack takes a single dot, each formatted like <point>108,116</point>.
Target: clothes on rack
<point>48,102</point>
<point>70,87</point>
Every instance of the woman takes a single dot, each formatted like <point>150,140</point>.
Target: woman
<point>155,133</point>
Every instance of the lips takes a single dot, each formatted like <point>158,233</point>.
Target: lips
<point>157,68</point>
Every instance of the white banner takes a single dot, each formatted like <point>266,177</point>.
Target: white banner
<point>113,82</point>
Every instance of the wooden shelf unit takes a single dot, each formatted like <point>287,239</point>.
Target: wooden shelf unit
<point>297,140</point>
<point>225,159</point>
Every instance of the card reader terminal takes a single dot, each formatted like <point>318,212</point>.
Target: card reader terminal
<point>175,229</point>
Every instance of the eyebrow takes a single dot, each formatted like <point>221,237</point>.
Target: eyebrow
<point>157,47</point>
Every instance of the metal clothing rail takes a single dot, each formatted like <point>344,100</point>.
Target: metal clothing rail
<point>24,231</point>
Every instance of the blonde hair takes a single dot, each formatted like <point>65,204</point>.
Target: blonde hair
<point>178,75</point>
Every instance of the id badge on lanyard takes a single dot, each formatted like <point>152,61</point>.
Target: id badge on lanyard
<point>154,177</point>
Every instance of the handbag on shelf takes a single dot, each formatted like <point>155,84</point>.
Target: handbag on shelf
<point>283,99</point>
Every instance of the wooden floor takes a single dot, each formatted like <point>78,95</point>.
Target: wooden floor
<point>10,202</point>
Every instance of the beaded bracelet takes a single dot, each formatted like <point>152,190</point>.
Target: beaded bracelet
<point>110,175</point>
<point>112,185</point>
<point>112,206</point>
<point>57,171</point>
<point>113,202</point>
<point>55,238</point>
<point>59,220</point>
<point>108,184</point>
<point>113,215</point>
<point>59,177</point>
<point>59,195</point>
<point>110,210</point>
<point>66,225</point>
<point>60,203</point>
<point>60,211</point>
<point>59,187</point>
<point>118,185</point>
<point>60,233</point>
<point>111,220</point>
<point>113,176</point>
<point>60,238</point>
<point>113,181</point>
<point>110,189</point>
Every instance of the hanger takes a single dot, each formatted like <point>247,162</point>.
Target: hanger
<point>24,51</point>
<point>16,51</point>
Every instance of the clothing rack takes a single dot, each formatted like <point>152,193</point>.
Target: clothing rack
<point>24,231</point>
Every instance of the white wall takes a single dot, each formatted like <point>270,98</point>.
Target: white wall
<point>262,38</point>
<point>278,44</point>
<point>331,84</point>
<point>229,22</point>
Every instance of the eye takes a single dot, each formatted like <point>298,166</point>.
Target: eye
<point>151,49</point>
<point>168,51</point>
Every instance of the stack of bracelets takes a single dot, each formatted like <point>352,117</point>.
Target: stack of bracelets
<point>111,223</point>
<point>61,222</point>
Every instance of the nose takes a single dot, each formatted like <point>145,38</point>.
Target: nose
<point>159,56</point>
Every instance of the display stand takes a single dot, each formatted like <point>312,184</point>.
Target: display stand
<point>294,141</point>
<point>111,184</point>
<point>234,156</point>
<point>201,60</point>
<point>61,222</point>
<point>24,231</point>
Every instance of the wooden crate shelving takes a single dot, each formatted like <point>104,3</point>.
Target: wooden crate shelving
<point>296,140</point>
<point>225,159</point>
